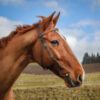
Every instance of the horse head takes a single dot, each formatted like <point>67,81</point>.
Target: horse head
<point>52,52</point>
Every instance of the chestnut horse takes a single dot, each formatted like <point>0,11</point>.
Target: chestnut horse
<point>41,43</point>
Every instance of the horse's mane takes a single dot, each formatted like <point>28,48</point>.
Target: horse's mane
<point>19,30</point>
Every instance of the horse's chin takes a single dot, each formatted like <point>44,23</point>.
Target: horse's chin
<point>67,85</point>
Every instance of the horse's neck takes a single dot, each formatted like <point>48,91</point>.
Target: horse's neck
<point>14,59</point>
<point>11,74</point>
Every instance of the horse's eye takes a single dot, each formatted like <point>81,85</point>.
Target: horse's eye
<point>55,42</point>
<point>55,30</point>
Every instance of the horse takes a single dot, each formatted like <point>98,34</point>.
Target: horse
<point>40,43</point>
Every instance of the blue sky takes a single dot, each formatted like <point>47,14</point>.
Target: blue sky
<point>79,20</point>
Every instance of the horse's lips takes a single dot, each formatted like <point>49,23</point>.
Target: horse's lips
<point>70,83</point>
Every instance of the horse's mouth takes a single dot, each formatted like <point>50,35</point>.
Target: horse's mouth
<point>70,82</point>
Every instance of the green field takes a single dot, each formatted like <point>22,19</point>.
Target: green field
<point>50,87</point>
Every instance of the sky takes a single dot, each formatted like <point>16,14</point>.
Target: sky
<point>79,20</point>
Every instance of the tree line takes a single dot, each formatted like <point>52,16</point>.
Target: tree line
<point>91,58</point>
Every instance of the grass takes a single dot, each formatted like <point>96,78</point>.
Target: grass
<point>50,87</point>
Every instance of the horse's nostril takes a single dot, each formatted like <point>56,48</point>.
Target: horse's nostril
<point>79,78</point>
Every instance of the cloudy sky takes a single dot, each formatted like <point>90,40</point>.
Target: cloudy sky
<point>79,20</point>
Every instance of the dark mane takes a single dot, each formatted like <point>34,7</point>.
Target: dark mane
<point>19,30</point>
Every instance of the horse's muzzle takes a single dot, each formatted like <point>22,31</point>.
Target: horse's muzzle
<point>72,83</point>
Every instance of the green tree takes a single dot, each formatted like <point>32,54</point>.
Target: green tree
<point>98,58</point>
<point>93,58</point>
<point>86,58</point>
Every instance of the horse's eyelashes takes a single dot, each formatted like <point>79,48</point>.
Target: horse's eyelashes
<point>55,42</point>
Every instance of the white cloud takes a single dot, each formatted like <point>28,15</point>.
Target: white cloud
<point>55,5</point>
<point>7,25</point>
<point>97,36</point>
<point>72,41</point>
<point>86,22</point>
<point>14,2</point>
<point>78,39</point>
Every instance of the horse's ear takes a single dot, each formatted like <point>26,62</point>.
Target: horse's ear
<point>55,19</point>
<point>44,24</point>
<point>50,18</point>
